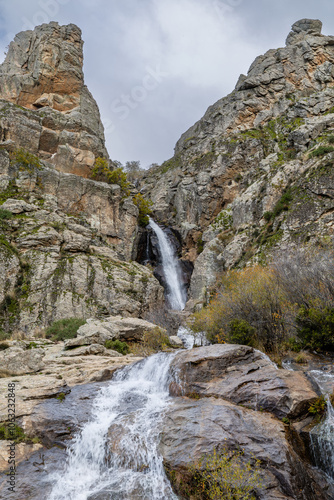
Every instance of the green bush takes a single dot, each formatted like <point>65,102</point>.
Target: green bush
<point>64,329</point>
<point>117,345</point>
<point>4,335</point>
<point>267,216</point>
<point>103,172</point>
<point>282,204</point>
<point>25,159</point>
<point>5,214</point>
<point>241,332</point>
<point>315,327</point>
<point>321,151</point>
<point>12,433</point>
<point>144,207</point>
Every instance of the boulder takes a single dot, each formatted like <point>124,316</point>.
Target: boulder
<point>17,206</point>
<point>17,361</point>
<point>176,341</point>
<point>193,428</point>
<point>112,328</point>
<point>93,349</point>
<point>242,375</point>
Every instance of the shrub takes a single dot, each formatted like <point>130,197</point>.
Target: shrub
<point>226,475</point>
<point>330,139</point>
<point>144,207</point>
<point>27,160</point>
<point>248,301</point>
<point>12,433</point>
<point>315,327</point>
<point>240,332</point>
<point>117,345</point>
<point>282,204</point>
<point>318,407</point>
<point>64,329</point>
<point>267,216</point>
<point>102,172</point>
<point>153,341</point>
<point>5,214</point>
<point>4,335</point>
<point>321,151</point>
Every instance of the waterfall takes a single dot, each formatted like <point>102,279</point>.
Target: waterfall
<point>116,454</point>
<point>175,293</point>
<point>322,435</point>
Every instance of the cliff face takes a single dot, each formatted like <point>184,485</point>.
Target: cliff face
<point>66,241</point>
<point>254,175</point>
<point>42,72</point>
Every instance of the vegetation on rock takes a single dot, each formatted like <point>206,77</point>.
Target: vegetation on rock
<point>112,173</point>
<point>144,207</point>
<point>64,329</point>
<point>117,345</point>
<point>225,474</point>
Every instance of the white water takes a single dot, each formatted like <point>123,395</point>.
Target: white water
<point>191,339</point>
<point>175,294</point>
<point>322,435</point>
<point>116,454</point>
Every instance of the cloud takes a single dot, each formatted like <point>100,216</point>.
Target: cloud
<point>199,46</point>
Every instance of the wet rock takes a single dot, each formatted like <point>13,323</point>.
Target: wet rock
<point>195,427</point>
<point>176,341</point>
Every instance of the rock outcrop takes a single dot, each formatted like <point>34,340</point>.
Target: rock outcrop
<point>273,133</point>
<point>43,73</point>
<point>67,241</point>
<point>229,396</point>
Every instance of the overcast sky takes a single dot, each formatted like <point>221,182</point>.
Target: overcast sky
<point>154,66</point>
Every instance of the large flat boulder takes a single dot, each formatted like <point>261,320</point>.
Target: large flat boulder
<point>18,361</point>
<point>244,376</point>
<point>115,327</point>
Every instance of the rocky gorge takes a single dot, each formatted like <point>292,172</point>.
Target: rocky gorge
<point>97,424</point>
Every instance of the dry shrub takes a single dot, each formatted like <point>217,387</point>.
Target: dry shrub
<point>226,474</point>
<point>153,341</point>
<point>293,298</point>
<point>249,299</point>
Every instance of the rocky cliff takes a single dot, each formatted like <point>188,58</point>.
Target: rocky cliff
<point>43,73</point>
<point>254,175</point>
<point>66,241</point>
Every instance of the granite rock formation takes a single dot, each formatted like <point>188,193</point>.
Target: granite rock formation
<point>232,396</point>
<point>43,73</point>
<point>271,135</point>
<point>67,241</point>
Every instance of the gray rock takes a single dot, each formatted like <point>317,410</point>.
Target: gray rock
<point>176,341</point>
<point>17,361</point>
<point>17,206</point>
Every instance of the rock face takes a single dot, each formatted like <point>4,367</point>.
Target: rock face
<point>43,73</point>
<point>232,397</point>
<point>66,241</point>
<point>113,328</point>
<point>250,147</point>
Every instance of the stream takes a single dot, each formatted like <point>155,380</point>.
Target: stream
<point>116,454</point>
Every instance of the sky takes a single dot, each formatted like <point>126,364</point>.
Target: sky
<point>154,66</point>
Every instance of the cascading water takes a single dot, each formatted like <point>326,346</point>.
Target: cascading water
<point>176,295</point>
<point>116,454</point>
<point>322,435</point>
